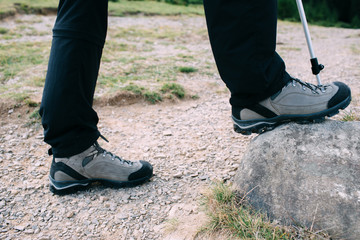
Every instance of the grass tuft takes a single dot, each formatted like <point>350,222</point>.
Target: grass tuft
<point>3,30</point>
<point>174,89</point>
<point>350,117</point>
<point>152,97</point>
<point>134,89</point>
<point>187,69</point>
<point>31,103</point>
<point>229,212</point>
<point>35,115</point>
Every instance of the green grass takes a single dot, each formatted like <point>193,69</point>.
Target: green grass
<point>35,115</point>
<point>355,49</point>
<point>350,117</point>
<point>135,89</point>
<point>147,57</point>
<point>174,89</point>
<point>31,103</point>
<point>154,96</point>
<point>16,58</point>
<point>18,96</point>
<point>187,69</point>
<point>3,30</point>
<point>121,8</point>
<point>149,35</point>
<point>228,211</point>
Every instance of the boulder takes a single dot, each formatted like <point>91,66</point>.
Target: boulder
<point>306,175</point>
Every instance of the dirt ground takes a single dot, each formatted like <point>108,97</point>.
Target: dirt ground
<point>189,142</point>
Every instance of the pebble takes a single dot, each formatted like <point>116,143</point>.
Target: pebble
<point>121,216</point>
<point>29,231</point>
<point>160,156</point>
<point>70,214</point>
<point>167,133</point>
<point>178,175</point>
<point>19,227</point>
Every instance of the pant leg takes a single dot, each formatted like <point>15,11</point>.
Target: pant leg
<point>243,39</point>
<point>69,121</point>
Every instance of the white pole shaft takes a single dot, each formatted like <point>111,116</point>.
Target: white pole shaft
<point>307,33</point>
<point>305,26</point>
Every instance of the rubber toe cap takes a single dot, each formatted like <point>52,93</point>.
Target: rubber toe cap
<point>342,94</point>
<point>146,171</point>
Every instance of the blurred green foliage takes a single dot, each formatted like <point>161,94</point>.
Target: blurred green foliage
<point>339,13</point>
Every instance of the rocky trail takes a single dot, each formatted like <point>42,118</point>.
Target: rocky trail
<point>189,142</point>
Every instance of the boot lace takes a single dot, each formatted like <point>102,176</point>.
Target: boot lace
<point>114,157</point>
<point>314,88</point>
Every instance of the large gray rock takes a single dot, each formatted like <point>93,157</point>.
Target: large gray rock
<point>298,173</point>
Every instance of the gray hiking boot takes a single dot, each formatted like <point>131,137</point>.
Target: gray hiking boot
<point>298,102</point>
<point>96,165</point>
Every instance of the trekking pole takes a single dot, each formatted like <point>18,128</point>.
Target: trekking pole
<point>315,66</point>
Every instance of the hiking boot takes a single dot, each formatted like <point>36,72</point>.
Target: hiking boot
<point>297,102</point>
<point>96,165</point>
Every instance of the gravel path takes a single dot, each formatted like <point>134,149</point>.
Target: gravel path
<point>190,143</point>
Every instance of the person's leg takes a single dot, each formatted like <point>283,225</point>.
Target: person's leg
<point>69,121</point>
<point>263,95</point>
<point>243,39</point>
<point>68,118</point>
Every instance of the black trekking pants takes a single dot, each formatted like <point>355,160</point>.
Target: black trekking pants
<point>242,35</point>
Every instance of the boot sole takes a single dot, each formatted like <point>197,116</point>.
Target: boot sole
<point>69,187</point>
<point>259,126</point>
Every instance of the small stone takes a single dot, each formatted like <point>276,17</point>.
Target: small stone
<point>167,133</point>
<point>176,198</point>
<point>178,175</point>
<point>70,214</point>
<point>194,175</point>
<point>29,231</point>
<point>44,237</point>
<point>203,177</point>
<point>160,156</point>
<point>125,197</point>
<point>19,227</point>
<point>202,148</point>
<point>95,221</point>
<point>121,216</point>
<point>10,111</point>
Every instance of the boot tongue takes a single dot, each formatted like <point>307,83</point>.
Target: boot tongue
<point>96,149</point>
